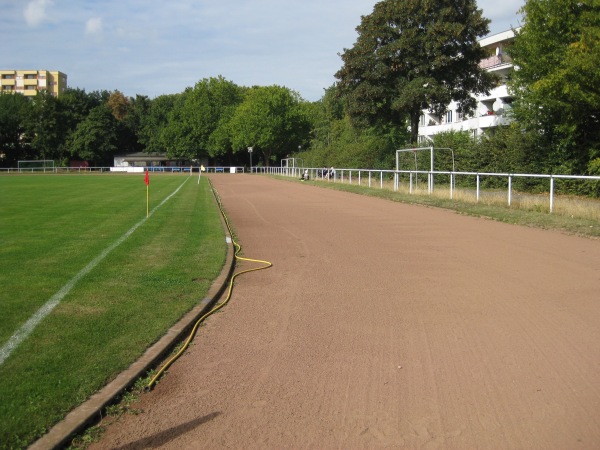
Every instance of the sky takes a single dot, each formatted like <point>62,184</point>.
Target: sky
<point>156,47</point>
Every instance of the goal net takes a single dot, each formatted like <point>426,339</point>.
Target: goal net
<point>37,165</point>
<point>292,166</point>
<point>424,161</point>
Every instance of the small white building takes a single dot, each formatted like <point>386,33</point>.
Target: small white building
<point>142,159</point>
<point>491,109</point>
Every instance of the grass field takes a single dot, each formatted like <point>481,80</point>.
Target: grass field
<point>52,227</point>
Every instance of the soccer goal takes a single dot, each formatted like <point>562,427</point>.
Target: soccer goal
<point>292,166</point>
<point>37,165</point>
<point>404,162</point>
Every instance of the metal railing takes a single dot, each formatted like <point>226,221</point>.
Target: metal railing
<point>376,177</point>
<point>367,177</point>
<point>495,60</point>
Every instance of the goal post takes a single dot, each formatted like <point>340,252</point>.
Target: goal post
<point>430,173</point>
<point>36,165</point>
<point>292,166</point>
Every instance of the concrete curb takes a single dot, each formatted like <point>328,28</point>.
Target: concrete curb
<point>91,409</point>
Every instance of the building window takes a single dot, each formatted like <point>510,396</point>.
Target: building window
<point>422,120</point>
<point>8,77</point>
<point>449,117</point>
<point>459,116</point>
<point>8,88</point>
<point>30,76</point>
<point>30,87</point>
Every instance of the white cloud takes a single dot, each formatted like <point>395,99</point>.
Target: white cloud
<point>35,12</point>
<point>93,26</point>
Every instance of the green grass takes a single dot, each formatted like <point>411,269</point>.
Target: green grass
<point>573,216</point>
<point>51,227</point>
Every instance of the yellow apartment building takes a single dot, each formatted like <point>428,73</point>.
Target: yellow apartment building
<point>29,82</point>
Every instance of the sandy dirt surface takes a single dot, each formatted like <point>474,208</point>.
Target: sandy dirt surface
<point>384,325</point>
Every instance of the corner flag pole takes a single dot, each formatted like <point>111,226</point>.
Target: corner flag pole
<point>147,181</point>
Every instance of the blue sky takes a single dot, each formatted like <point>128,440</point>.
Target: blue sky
<point>154,47</point>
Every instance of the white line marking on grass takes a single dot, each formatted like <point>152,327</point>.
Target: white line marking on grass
<point>47,308</point>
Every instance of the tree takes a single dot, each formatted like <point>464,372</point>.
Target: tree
<point>196,115</point>
<point>556,92</point>
<point>208,109</point>
<point>76,104</point>
<point>73,105</point>
<point>132,124</point>
<point>154,121</point>
<point>323,115</point>
<point>226,97</point>
<point>95,139</point>
<point>128,113</point>
<point>269,120</point>
<point>411,55</point>
<point>47,127</point>
<point>14,138</point>
<point>177,136</point>
<point>118,104</point>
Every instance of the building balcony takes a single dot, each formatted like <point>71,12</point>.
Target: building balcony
<point>497,92</point>
<point>490,120</point>
<point>495,61</point>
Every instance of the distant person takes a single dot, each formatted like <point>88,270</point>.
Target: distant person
<point>331,173</point>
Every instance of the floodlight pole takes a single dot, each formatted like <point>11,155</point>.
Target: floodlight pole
<point>250,149</point>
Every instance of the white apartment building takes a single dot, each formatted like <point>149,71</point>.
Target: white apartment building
<point>491,109</point>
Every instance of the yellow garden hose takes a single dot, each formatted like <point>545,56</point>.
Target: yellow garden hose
<point>266,265</point>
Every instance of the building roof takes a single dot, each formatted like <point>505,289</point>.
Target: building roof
<point>498,37</point>
<point>143,156</point>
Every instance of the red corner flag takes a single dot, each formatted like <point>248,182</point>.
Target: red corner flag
<point>147,181</point>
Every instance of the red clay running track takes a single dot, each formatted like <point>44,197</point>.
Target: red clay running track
<point>384,325</point>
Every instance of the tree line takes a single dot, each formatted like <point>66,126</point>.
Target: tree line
<point>214,119</point>
<point>410,55</point>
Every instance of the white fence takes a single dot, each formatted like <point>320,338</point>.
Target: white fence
<point>376,177</point>
<point>366,177</point>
